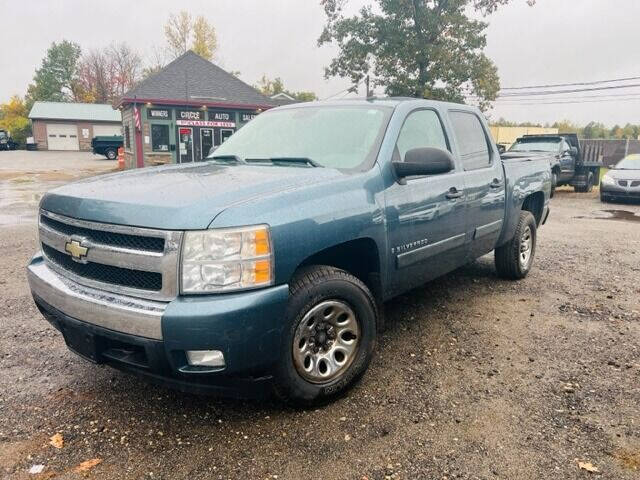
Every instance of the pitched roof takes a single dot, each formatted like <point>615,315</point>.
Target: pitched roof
<point>190,79</point>
<point>95,112</point>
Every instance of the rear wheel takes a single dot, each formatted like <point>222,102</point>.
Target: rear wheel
<point>330,336</point>
<point>514,259</point>
<point>111,154</point>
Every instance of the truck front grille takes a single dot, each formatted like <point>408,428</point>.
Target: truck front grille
<point>124,277</point>
<point>153,244</point>
<point>133,261</point>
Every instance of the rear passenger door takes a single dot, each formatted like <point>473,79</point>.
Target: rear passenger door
<point>484,181</point>
<point>425,215</point>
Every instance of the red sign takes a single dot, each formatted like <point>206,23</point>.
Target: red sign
<point>205,123</point>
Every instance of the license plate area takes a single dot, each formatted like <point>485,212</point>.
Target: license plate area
<point>82,342</point>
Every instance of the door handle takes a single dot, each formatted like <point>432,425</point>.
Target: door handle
<point>496,183</point>
<point>454,193</point>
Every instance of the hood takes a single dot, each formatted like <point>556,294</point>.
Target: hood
<point>176,197</point>
<point>622,174</point>
<point>509,155</point>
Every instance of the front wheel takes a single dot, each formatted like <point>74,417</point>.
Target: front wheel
<point>514,259</point>
<point>329,339</point>
<point>554,183</point>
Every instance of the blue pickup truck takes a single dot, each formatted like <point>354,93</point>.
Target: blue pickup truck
<point>265,268</point>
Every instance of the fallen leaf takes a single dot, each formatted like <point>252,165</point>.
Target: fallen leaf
<point>56,441</point>
<point>36,469</point>
<point>87,465</point>
<point>588,466</point>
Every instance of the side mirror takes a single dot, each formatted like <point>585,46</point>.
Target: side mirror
<point>573,151</point>
<point>424,161</point>
<point>501,148</point>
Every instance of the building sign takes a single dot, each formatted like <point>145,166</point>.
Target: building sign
<point>218,116</point>
<point>158,113</point>
<point>247,116</point>
<point>205,123</point>
<point>190,115</point>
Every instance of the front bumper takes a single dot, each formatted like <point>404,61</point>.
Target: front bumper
<point>150,338</point>
<point>618,191</point>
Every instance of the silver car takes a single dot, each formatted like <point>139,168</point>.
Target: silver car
<point>622,181</point>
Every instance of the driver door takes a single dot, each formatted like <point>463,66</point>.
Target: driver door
<point>426,215</point>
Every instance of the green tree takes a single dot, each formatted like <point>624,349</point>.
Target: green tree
<point>595,130</point>
<point>417,48</point>
<point>566,126</point>
<point>55,79</point>
<point>182,33</point>
<point>270,88</point>
<point>13,118</point>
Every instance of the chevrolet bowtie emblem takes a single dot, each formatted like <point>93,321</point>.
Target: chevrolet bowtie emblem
<point>75,248</point>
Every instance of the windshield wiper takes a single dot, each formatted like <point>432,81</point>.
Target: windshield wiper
<point>231,158</point>
<point>294,160</point>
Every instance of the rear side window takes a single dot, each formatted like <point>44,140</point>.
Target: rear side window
<point>422,128</point>
<point>472,142</point>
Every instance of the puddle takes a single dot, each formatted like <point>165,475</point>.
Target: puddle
<point>624,215</point>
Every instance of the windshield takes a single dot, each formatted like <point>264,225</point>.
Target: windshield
<point>345,137</point>
<point>538,146</point>
<point>630,162</point>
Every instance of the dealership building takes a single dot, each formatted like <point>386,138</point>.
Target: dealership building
<point>72,126</point>
<point>180,113</point>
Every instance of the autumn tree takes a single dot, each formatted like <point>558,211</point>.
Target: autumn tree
<point>54,80</point>
<point>270,88</point>
<point>182,33</point>
<point>417,48</point>
<point>106,74</point>
<point>14,119</point>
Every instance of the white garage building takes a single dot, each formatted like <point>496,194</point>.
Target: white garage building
<point>72,126</point>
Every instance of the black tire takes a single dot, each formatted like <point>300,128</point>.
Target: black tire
<point>554,183</point>
<point>588,187</point>
<point>111,154</point>
<point>311,287</point>
<point>508,256</point>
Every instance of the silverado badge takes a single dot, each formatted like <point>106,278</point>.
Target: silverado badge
<point>75,248</point>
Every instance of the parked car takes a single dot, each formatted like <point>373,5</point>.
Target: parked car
<point>107,146</point>
<point>622,181</point>
<point>265,268</point>
<point>568,167</point>
<point>6,142</point>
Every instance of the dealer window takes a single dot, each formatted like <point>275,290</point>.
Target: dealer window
<point>127,137</point>
<point>472,141</point>
<point>160,138</point>
<point>422,128</point>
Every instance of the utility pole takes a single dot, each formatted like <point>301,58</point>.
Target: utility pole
<point>366,82</point>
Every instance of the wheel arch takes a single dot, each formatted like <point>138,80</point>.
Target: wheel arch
<point>360,257</point>
<point>534,203</point>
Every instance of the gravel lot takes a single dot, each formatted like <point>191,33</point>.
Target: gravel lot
<point>475,377</point>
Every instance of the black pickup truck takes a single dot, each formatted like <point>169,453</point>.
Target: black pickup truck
<point>107,146</point>
<point>6,142</point>
<point>568,166</point>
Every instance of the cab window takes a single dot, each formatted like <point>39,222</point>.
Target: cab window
<point>422,128</point>
<point>472,141</point>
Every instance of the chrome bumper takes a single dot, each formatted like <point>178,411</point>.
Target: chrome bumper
<point>115,312</point>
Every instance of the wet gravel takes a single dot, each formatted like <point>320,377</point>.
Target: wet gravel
<point>475,378</point>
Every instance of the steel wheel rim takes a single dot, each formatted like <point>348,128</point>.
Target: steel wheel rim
<point>326,341</point>
<point>526,244</point>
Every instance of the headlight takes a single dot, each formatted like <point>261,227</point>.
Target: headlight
<point>226,259</point>
<point>607,180</point>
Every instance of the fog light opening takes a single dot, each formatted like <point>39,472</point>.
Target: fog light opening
<point>205,358</point>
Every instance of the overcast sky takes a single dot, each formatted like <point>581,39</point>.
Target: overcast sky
<point>557,41</point>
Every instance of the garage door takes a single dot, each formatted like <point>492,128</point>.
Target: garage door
<point>106,130</point>
<point>62,137</point>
